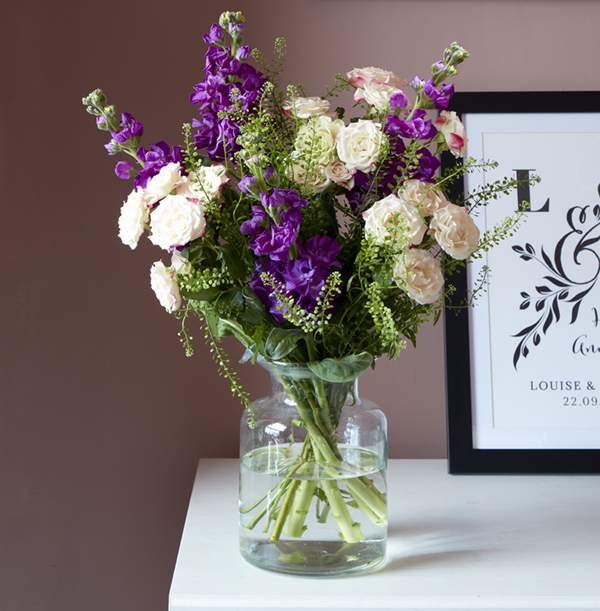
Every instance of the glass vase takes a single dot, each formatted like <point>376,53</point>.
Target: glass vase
<point>313,477</point>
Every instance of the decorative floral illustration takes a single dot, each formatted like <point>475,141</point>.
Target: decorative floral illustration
<point>570,276</point>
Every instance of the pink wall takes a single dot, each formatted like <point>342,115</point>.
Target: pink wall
<point>102,417</point>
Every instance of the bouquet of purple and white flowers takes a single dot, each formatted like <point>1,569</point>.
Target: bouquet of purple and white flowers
<point>278,214</point>
<point>310,238</point>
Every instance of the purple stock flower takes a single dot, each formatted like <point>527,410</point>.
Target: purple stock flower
<point>440,97</point>
<point>322,250</point>
<point>283,198</point>
<point>215,36</point>
<point>248,185</point>
<point>224,74</point>
<point>302,278</point>
<point>428,164</point>
<point>243,52</point>
<point>122,169</point>
<point>260,219</point>
<point>399,99</point>
<point>275,241</point>
<point>159,155</point>
<point>417,127</point>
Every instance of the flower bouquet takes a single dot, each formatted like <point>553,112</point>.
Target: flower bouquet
<point>321,243</point>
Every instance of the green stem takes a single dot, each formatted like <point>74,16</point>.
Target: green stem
<point>349,529</point>
<point>285,509</point>
<point>294,525</point>
<point>368,502</point>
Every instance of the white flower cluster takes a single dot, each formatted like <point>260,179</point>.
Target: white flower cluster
<point>172,207</point>
<point>327,151</point>
<point>375,86</point>
<point>417,210</point>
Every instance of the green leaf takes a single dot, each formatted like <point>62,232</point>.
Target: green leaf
<point>341,370</point>
<point>233,261</point>
<point>229,327</point>
<point>281,342</point>
<point>254,304</point>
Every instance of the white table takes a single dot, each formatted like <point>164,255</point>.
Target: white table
<point>455,542</point>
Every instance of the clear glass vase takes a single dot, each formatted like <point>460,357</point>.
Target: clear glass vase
<point>313,477</point>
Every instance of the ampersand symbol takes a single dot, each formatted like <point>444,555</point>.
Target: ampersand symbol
<point>590,386</point>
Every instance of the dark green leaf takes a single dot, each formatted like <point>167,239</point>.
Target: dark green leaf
<point>228,327</point>
<point>341,370</point>
<point>233,261</point>
<point>281,342</point>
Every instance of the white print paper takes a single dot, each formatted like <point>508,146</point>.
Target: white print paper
<point>535,337</point>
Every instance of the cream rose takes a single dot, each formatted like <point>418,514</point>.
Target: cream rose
<point>180,264</point>
<point>359,76</point>
<point>380,217</point>
<point>338,173</point>
<point>424,196</point>
<point>376,94</point>
<point>163,183</point>
<point>305,108</point>
<point>453,131</point>
<point>315,142</point>
<point>315,182</point>
<point>358,145</point>
<point>418,273</point>
<point>455,231</point>
<point>176,222</point>
<point>204,186</point>
<point>164,284</point>
<point>134,215</point>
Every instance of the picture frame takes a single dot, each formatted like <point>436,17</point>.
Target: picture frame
<point>528,401</point>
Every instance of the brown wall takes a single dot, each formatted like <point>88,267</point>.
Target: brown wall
<point>102,417</point>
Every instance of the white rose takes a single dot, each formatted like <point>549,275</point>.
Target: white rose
<point>315,142</point>
<point>455,231</point>
<point>180,264</point>
<point>305,108</point>
<point>164,284</point>
<point>359,76</point>
<point>134,214</point>
<point>338,173</point>
<point>380,217</point>
<point>376,94</point>
<point>204,186</point>
<point>176,222</point>
<point>424,196</point>
<point>315,182</point>
<point>163,183</point>
<point>454,132</point>
<point>418,273</point>
<point>358,145</point>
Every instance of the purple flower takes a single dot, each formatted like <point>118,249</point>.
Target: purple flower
<point>215,36</point>
<point>322,250</point>
<point>159,155</point>
<point>439,97</point>
<point>260,219</point>
<point>224,74</point>
<point>248,185</point>
<point>399,99</point>
<point>122,169</point>
<point>428,164</point>
<point>303,277</point>
<point>283,198</point>
<point>275,241</point>
<point>417,127</point>
<point>265,293</point>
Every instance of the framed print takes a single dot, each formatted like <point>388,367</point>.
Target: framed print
<point>523,364</point>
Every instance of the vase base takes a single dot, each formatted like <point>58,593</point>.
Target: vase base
<point>314,558</point>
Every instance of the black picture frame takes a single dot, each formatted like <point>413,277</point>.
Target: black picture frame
<point>463,457</point>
